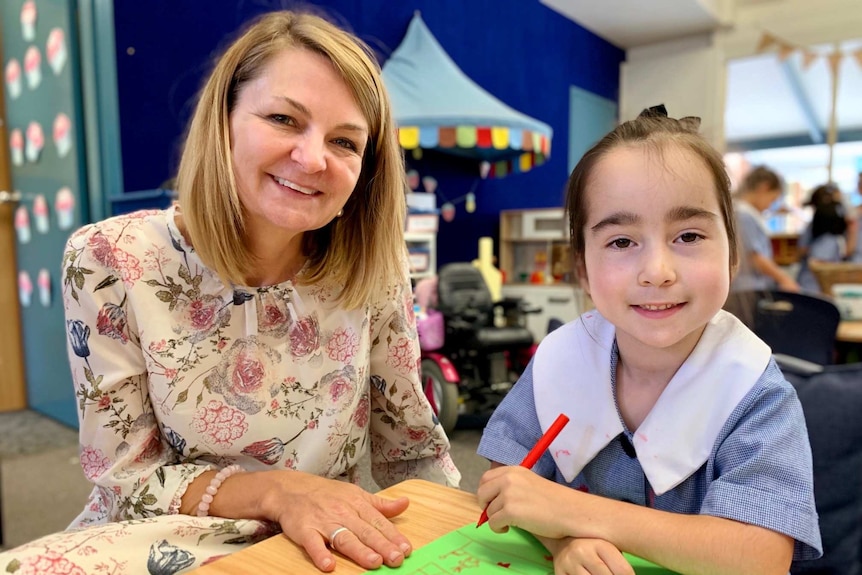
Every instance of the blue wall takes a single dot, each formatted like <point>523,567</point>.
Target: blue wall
<point>519,50</point>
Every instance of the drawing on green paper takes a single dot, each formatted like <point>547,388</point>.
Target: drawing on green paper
<point>472,551</point>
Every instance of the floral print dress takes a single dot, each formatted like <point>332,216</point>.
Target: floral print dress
<point>176,373</point>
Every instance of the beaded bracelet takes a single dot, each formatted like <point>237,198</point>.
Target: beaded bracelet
<point>213,487</point>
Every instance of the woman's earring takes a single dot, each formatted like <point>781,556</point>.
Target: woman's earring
<point>340,213</point>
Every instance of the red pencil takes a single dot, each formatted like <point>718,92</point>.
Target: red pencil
<point>537,451</point>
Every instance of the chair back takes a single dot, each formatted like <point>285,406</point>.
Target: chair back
<point>797,324</point>
<point>830,273</point>
<point>831,401</point>
<point>461,288</point>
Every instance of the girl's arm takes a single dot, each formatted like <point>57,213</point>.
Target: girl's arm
<point>690,544</point>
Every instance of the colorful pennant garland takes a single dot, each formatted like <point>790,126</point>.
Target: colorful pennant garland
<point>536,147</point>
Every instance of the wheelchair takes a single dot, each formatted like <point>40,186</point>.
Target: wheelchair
<point>471,368</point>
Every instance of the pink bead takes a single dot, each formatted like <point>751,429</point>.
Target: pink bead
<point>213,487</point>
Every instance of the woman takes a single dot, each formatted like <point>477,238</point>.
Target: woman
<point>237,354</point>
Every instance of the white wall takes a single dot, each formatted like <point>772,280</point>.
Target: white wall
<point>687,76</point>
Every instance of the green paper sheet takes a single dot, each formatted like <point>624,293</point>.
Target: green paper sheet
<point>472,551</point>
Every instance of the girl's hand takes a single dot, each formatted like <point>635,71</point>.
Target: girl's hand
<point>589,557</point>
<point>515,496</point>
<point>310,509</point>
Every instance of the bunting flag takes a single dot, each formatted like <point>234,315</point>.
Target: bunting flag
<point>530,149</point>
<point>785,49</point>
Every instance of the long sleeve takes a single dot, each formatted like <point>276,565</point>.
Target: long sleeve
<point>135,470</point>
<point>407,441</point>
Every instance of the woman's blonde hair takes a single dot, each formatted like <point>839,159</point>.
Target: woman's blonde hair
<point>363,250</point>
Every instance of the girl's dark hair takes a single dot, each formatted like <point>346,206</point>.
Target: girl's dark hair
<point>828,219</point>
<point>654,129</point>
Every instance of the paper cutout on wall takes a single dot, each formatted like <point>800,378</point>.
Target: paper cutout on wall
<point>40,214</point>
<point>430,184</point>
<point>43,280</point>
<point>16,147</point>
<point>470,202</point>
<point>25,288</point>
<point>64,206</point>
<point>29,15</point>
<point>33,67</point>
<point>447,210</point>
<point>412,179</point>
<point>483,552</point>
<point>35,142</point>
<point>55,50</point>
<point>13,78</point>
<point>62,134</point>
<point>22,224</point>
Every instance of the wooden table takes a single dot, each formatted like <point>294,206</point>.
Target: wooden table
<point>849,331</point>
<point>434,511</point>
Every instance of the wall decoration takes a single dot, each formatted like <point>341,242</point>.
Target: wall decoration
<point>16,147</point>
<point>438,107</point>
<point>35,142</point>
<point>430,184</point>
<point>55,50</point>
<point>13,78</point>
<point>33,67</point>
<point>43,280</point>
<point>22,224</point>
<point>412,179</point>
<point>40,214</point>
<point>25,288</point>
<point>62,134</point>
<point>447,210</point>
<point>29,15</point>
<point>785,49</point>
<point>470,202</point>
<point>64,207</point>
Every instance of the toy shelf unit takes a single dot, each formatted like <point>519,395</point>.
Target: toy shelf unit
<point>420,233</point>
<point>534,246</point>
<point>422,253</point>
<point>537,265</point>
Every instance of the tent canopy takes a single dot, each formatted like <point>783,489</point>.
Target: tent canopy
<point>438,107</point>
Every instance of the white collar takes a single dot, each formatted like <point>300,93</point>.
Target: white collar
<point>571,374</point>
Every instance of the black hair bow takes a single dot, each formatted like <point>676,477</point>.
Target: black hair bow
<point>660,111</point>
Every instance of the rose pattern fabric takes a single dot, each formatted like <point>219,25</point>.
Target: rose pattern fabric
<point>176,372</point>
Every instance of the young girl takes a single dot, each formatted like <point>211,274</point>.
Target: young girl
<point>686,446</point>
<point>823,240</point>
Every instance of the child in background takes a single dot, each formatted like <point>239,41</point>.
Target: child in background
<point>758,270</point>
<point>823,240</point>
<point>686,446</point>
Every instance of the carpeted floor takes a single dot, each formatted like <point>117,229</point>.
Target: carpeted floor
<point>43,489</point>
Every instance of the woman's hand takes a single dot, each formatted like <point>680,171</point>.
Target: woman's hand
<point>311,508</point>
<point>517,497</point>
<point>589,557</point>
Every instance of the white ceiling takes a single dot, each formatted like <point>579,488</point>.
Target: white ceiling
<point>632,23</point>
<point>766,98</point>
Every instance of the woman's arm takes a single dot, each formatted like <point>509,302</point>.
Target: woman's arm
<point>406,439</point>
<point>122,448</point>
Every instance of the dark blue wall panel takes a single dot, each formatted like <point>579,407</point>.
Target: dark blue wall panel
<point>519,50</point>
